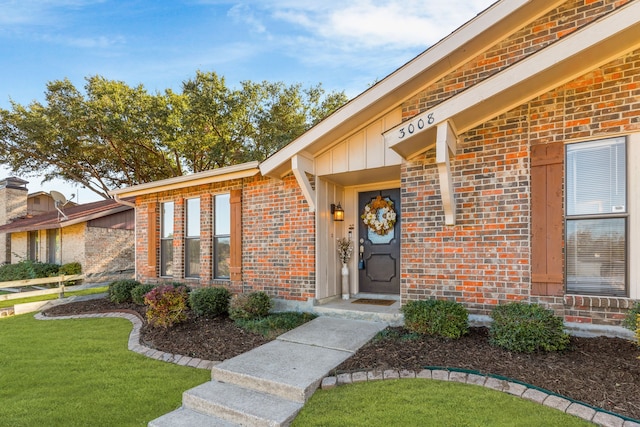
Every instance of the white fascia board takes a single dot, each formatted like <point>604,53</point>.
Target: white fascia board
<point>447,54</point>
<point>228,173</point>
<point>561,62</point>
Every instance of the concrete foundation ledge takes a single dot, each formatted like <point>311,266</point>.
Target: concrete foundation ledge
<point>587,412</point>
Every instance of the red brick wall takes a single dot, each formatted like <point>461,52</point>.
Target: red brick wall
<point>278,239</point>
<point>485,258</point>
<point>149,273</point>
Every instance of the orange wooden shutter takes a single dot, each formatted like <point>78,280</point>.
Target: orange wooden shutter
<point>152,243</point>
<point>547,172</point>
<point>235,263</point>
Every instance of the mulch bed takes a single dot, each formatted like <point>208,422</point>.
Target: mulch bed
<point>603,372</point>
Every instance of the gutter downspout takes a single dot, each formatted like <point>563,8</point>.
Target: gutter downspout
<point>123,202</point>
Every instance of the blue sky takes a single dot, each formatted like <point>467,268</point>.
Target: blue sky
<point>345,45</point>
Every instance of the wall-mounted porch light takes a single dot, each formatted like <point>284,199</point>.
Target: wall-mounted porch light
<point>337,212</point>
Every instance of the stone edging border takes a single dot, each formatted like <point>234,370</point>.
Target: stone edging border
<point>578,409</point>
<point>134,340</point>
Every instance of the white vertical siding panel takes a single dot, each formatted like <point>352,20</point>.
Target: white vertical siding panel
<point>357,152</point>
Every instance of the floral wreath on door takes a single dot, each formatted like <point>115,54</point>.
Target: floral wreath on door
<point>379,216</point>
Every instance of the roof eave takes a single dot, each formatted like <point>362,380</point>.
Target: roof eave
<point>485,30</point>
<point>243,170</point>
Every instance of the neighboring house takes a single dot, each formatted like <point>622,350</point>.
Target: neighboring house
<point>508,150</point>
<point>15,202</point>
<point>98,235</point>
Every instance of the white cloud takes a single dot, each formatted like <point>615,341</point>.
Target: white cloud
<point>368,24</point>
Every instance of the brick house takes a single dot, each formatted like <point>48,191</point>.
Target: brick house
<point>98,235</point>
<point>508,152</point>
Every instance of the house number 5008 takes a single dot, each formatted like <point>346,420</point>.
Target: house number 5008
<point>408,130</point>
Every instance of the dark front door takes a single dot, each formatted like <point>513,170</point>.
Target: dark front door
<point>379,245</point>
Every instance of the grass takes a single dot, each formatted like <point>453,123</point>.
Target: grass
<point>79,373</point>
<point>89,291</point>
<point>416,402</point>
<point>275,324</point>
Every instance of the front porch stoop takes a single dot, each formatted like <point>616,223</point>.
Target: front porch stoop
<point>268,385</point>
<point>346,309</point>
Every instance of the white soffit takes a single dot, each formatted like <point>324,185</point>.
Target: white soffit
<point>600,42</point>
<point>496,23</point>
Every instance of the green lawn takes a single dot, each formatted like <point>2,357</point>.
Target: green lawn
<point>416,402</point>
<point>80,373</point>
<point>89,291</point>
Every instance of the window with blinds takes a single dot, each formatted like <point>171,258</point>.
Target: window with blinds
<point>192,238</point>
<point>222,237</point>
<point>596,217</point>
<point>166,240</point>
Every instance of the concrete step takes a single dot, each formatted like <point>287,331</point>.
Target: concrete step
<point>289,370</point>
<point>240,405</point>
<point>293,366</point>
<point>350,313</point>
<point>184,417</point>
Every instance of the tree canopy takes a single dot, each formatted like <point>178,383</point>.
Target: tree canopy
<point>114,135</point>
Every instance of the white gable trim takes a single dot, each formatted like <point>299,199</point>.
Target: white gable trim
<point>496,23</point>
<point>594,45</point>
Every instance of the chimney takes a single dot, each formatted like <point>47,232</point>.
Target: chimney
<point>13,204</point>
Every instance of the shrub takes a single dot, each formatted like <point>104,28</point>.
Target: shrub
<point>210,302</point>
<point>630,321</point>
<point>436,317</point>
<point>120,290</point>
<point>249,306</point>
<point>27,269</point>
<point>70,268</point>
<point>138,293</point>
<point>526,328</point>
<point>167,305</point>
<point>43,269</point>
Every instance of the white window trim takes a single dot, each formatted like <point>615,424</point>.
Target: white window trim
<point>633,197</point>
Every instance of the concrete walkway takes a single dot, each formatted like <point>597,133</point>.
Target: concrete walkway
<point>268,385</point>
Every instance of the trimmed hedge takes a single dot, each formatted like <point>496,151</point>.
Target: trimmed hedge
<point>526,328</point>
<point>120,290</point>
<point>27,269</point>
<point>436,317</point>
<point>138,293</point>
<point>70,268</point>
<point>210,302</point>
<point>252,305</point>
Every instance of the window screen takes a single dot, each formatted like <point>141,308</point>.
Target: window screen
<point>166,240</point>
<point>192,238</point>
<point>222,236</point>
<point>596,220</point>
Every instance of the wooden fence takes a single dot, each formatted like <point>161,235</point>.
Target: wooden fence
<point>60,289</point>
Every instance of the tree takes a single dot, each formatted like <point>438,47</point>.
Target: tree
<point>114,135</point>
